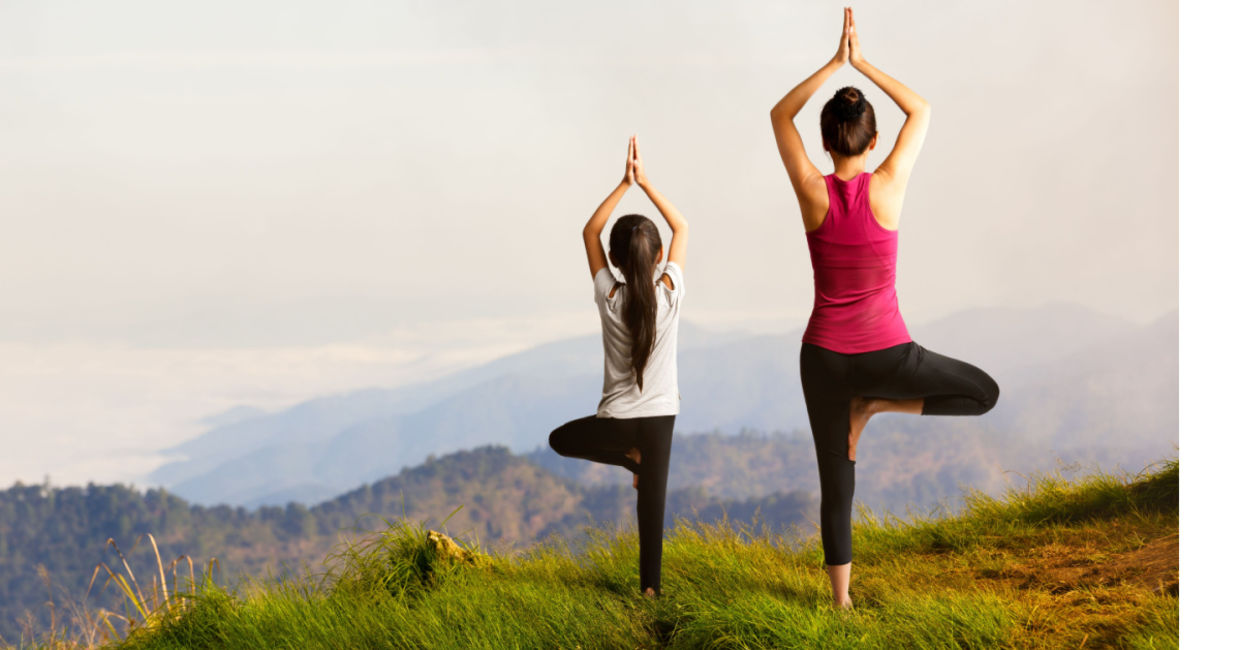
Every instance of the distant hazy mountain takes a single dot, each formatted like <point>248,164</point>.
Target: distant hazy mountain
<point>1077,386</point>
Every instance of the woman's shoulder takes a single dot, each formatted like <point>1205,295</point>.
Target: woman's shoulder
<point>885,198</point>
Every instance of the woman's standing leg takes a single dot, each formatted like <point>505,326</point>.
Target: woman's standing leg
<point>827,401</point>
<point>654,441</point>
<point>837,481</point>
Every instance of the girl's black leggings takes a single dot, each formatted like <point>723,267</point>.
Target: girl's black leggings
<point>607,440</point>
<point>908,371</point>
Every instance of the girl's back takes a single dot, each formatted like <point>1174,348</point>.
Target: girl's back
<point>658,395</point>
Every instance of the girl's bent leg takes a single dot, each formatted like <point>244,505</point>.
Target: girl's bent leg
<point>602,440</point>
<point>654,440</point>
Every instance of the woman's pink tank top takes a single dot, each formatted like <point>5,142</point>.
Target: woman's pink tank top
<point>854,258</point>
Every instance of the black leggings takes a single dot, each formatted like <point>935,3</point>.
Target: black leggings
<point>607,440</point>
<point>908,371</point>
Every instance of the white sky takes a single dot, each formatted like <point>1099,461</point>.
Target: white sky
<point>212,204</point>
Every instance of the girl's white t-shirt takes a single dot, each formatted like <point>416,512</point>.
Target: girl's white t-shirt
<point>660,394</point>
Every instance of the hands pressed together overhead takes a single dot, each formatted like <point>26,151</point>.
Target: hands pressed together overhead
<point>850,48</point>
<point>634,169</point>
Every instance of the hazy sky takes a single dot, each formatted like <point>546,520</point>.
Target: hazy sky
<point>208,204</point>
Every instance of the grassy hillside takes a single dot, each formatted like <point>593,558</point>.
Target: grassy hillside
<point>1093,563</point>
<point>506,502</point>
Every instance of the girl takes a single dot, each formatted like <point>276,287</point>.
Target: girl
<point>640,316</point>
<point>856,355</point>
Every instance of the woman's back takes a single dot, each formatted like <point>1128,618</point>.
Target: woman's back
<point>854,260</point>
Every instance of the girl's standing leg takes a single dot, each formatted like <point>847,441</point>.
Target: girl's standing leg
<point>609,440</point>
<point>654,441</point>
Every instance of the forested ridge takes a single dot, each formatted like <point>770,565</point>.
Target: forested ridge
<point>487,494</point>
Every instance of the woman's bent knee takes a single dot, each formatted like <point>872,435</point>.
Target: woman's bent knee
<point>990,393</point>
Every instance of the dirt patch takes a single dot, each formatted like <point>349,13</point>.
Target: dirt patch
<point>1059,569</point>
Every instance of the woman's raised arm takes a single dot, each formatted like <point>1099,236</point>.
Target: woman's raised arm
<point>899,163</point>
<point>805,177</point>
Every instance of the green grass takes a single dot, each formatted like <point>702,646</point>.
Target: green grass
<point>1090,563</point>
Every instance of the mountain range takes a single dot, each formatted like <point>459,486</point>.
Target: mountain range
<point>1077,387</point>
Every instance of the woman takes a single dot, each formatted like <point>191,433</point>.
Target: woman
<point>633,425</point>
<point>857,358</point>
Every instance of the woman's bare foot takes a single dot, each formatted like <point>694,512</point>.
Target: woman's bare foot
<point>859,412</point>
<point>860,409</point>
<point>636,455</point>
<point>840,574</point>
<point>649,592</point>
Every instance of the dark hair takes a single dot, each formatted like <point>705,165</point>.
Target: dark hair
<point>635,244</point>
<point>847,122</point>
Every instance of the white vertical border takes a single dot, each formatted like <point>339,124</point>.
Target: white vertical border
<point>1209,320</point>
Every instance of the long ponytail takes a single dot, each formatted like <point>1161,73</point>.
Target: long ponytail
<point>635,244</point>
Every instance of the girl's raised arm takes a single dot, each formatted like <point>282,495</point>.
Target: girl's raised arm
<point>593,232</point>
<point>676,221</point>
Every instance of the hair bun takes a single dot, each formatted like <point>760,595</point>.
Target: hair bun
<point>848,104</point>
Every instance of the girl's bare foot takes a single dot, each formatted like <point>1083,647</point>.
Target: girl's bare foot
<point>636,455</point>
<point>649,592</point>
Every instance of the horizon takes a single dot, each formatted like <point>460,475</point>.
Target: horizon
<point>243,411</point>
